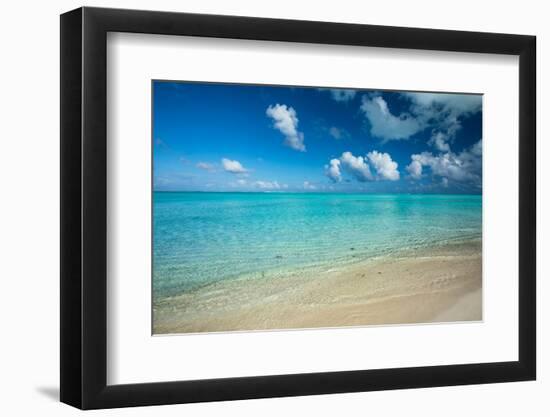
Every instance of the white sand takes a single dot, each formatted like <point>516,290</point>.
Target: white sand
<point>431,285</point>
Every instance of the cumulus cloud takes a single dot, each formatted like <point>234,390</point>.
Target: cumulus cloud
<point>462,167</point>
<point>233,167</point>
<point>458,104</point>
<point>440,141</point>
<point>286,121</point>
<point>206,166</point>
<point>385,167</point>
<point>359,167</point>
<point>356,166</point>
<point>477,148</point>
<point>444,113</point>
<point>333,170</point>
<point>414,169</point>
<point>384,124</point>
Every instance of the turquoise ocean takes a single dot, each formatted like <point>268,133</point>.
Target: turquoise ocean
<point>201,238</point>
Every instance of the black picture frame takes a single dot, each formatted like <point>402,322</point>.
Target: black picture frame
<point>84,207</point>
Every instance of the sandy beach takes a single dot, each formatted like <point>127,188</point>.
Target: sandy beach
<point>437,284</point>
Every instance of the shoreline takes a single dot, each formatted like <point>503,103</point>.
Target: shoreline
<point>427,285</point>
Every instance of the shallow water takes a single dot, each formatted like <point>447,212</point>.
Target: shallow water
<point>200,238</point>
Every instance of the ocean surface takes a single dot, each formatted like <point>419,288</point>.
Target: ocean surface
<point>201,238</point>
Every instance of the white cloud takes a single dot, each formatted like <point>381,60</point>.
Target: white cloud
<point>444,112</point>
<point>333,170</point>
<point>338,133</point>
<point>309,186</point>
<point>415,169</point>
<point>286,121</point>
<point>385,167</point>
<point>335,132</point>
<point>386,125</point>
<point>441,112</point>
<point>477,148</point>
<point>458,104</point>
<point>359,167</point>
<point>356,166</point>
<point>234,167</point>
<point>267,185</point>
<point>206,166</point>
<point>439,141</point>
<point>462,167</point>
<point>239,183</point>
<point>262,185</point>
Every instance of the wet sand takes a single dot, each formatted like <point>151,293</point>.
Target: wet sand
<point>439,284</point>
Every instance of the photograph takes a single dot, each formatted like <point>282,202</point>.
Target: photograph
<point>292,207</point>
<point>256,209</point>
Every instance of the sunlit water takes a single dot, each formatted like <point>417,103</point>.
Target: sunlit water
<point>200,238</point>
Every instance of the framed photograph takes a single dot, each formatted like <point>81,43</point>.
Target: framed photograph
<point>258,208</point>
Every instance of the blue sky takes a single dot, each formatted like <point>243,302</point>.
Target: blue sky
<point>233,137</point>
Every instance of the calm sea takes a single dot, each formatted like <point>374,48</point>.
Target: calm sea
<point>200,238</point>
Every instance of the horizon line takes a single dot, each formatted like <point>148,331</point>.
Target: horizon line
<point>307,192</point>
